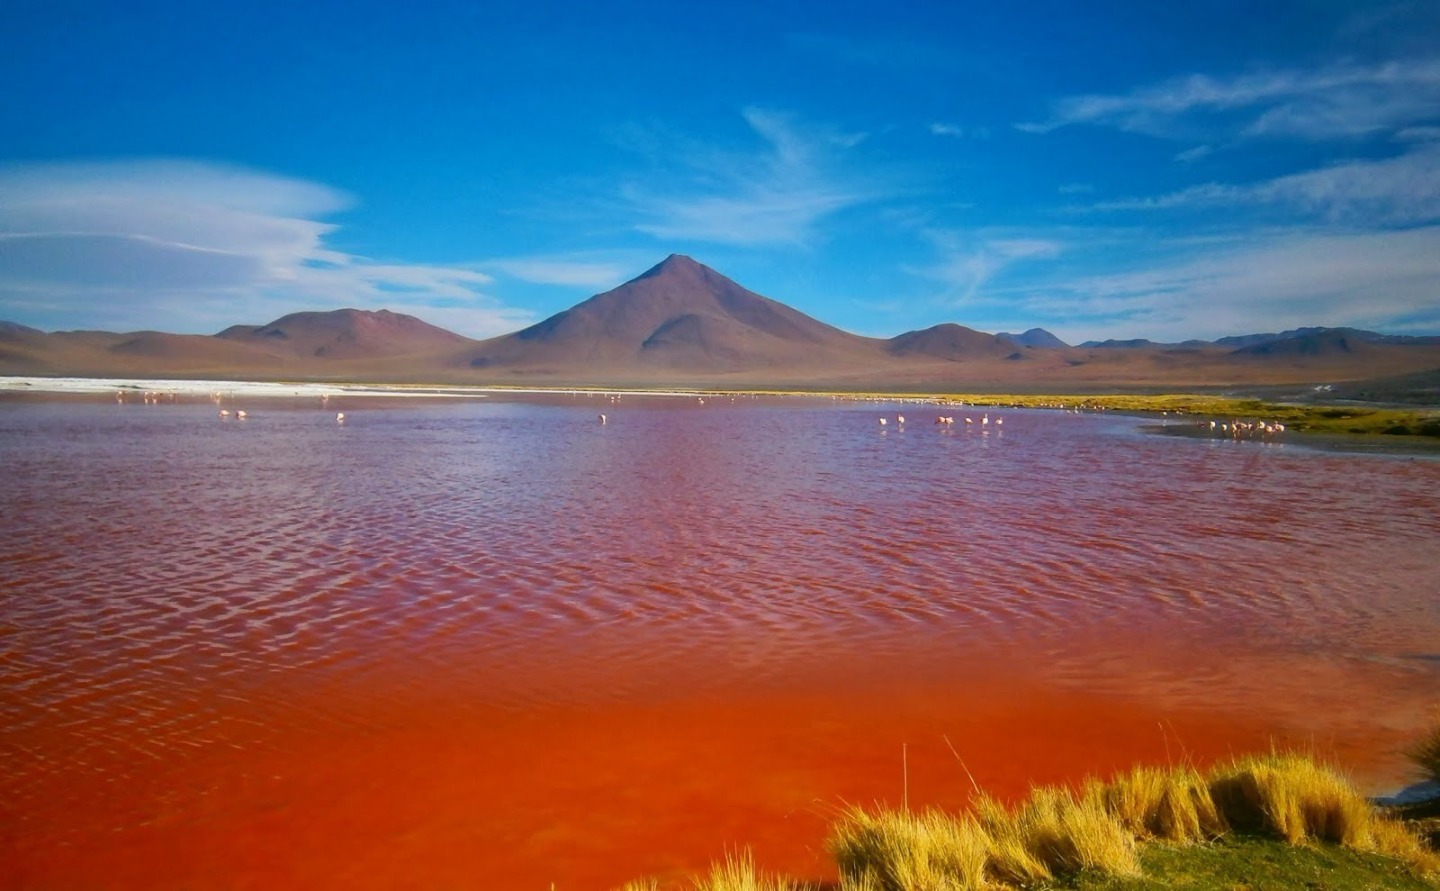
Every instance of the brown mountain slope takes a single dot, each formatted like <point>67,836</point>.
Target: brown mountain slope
<point>680,317</point>
<point>952,343</point>
<point>347,334</point>
<point>682,323</point>
<point>104,354</point>
<point>1330,342</point>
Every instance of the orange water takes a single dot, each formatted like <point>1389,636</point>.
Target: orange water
<point>499,645</point>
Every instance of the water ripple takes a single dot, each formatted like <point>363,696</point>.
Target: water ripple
<point>157,565</point>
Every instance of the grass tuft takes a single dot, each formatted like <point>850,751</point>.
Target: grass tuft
<point>1070,834</point>
<point>1426,754</point>
<point>1012,860</point>
<point>1295,798</point>
<point>901,851</point>
<point>1171,805</point>
<point>738,873</point>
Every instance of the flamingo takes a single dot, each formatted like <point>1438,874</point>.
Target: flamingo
<point>900,419</point>
<point>240,413</point>
<point>339,417</point>
<point>603,420</point>
<point>224,412</point>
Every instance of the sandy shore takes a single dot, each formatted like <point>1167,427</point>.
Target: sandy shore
<point>83,385</point>
<point>90,386</point>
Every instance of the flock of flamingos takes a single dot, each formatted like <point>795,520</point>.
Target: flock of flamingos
<point>1233,428</point>
<point>150,397</point>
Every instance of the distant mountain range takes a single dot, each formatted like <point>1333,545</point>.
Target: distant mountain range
<point>682,323</point>
<point>1296,340</point>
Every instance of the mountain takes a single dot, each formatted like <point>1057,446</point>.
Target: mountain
<point>15,330</point>
<point>1132,344</point>
<point>1248,340</point>
<point>346,334</point>
<point>1315,341</point>
<point>684,324</point>
<point>679,316</point>
<point>1320,342</point>
<point>950,342</point>
<point>1035,337</point>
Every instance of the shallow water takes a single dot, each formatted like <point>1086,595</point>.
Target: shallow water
<point>498,644</point>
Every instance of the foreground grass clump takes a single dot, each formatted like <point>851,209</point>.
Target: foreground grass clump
<point>1258,821</point>
<point>737,873</point>
<point>1294,798</point>
<point>1166,804</point>
<point>1053,833</point>
<point>1056,836</point>
<point>896,850</point>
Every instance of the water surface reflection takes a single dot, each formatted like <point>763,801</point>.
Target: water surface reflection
<point>499,639</point>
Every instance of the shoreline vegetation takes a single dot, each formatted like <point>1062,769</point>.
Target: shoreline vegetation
<point>1281,820</point>
<point>1329,418</point>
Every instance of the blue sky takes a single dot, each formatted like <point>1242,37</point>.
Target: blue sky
<point>1122,169</point>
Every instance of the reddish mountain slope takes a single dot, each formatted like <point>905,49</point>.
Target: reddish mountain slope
<point>950,342</point>
<point>347,334</point>
<point>682,323</point>
<point>680,316</point>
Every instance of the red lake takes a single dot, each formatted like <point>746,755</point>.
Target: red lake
<point>496,644</point>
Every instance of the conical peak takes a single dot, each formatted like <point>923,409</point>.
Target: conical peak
<point>672,265</point>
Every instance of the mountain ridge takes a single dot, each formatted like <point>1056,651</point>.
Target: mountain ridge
<point>682,323</point>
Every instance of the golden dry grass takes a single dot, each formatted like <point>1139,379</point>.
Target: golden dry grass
<point>1012,862</point>
<point>1425,752</point>
<point>1169,804</point>
<point>1057,832</point>
<point>1294,797</point>
<point>1053,833</point>
<point>901,851</point>
<point>738,873</point>
<point>1069,834</point>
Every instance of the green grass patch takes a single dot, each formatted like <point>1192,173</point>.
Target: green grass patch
<point>1247,863</point>
<point>1361,420</point>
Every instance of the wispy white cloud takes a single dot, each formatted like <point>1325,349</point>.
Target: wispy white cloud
<point>969,262</point>
<point>776,195</point>
<point>960,131</point>
<point>1331,102</point>
<point>1269,280</point>
<point>1194,154</point>
<point>192,245</point>
<point>1403,190</point>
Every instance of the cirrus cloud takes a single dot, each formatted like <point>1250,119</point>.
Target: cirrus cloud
<point>117,244</point>
<point>1336,101</point>
<point>774,196</point>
